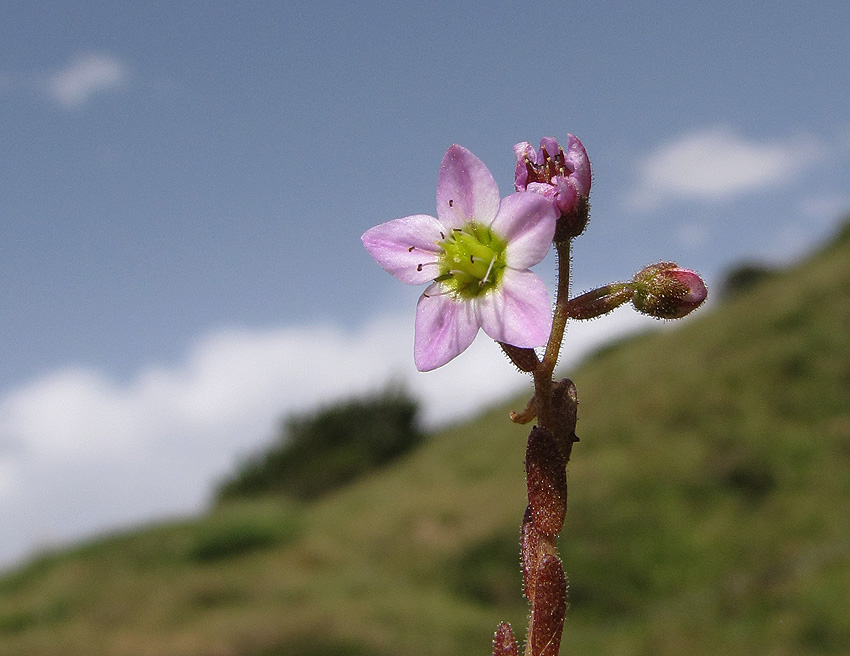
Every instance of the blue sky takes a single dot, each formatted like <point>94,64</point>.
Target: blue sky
<point>184,186</point>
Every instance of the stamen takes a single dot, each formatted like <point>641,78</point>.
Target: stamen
<point>410,250</point>
<point>489,269</point>
<point>442,293</point>
<point>424,264</point>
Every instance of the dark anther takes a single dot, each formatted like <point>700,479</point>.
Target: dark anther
<point>410,250</point>
<point>451,203</point>
<point>419,267</point>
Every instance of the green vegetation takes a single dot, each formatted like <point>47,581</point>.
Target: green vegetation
<point>709,498</point>
<point>320,451</point>
<point>742,277</point>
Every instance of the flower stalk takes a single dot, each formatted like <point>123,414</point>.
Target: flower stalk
<point>599,301</point>
<point>475,255</point>
<point>547,453</point>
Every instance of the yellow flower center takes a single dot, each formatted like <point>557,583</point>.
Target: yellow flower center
<point>472,261</point>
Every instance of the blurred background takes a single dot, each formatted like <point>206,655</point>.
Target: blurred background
<point>183,293</point>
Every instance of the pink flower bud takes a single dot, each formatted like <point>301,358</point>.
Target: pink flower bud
<point>666,291</point>
<point>563,177</point>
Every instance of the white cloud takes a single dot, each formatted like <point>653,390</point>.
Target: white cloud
<point>85,76</point>
<point>80,453</point>
<point>718,164</point>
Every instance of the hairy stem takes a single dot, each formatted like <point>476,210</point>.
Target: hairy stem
<point>599,301</point>
<point>559,319</point>
<point>548,451</point>
<point>543,373</point>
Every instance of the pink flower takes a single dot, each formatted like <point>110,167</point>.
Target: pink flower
<point>667,291</point>
<point>563,177</point>
<point>476,255</point>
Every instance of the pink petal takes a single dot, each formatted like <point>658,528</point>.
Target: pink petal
<point>527,222</point>
<point>576,157</point>
<point>522,150</point>
<point>466,191</point>
<point>566,195</point>
<point>390,244</point>
<point>552,147</point>
<point>518,312</point>
<point>697,291</point>
<point>444,329</point>
<point>543,188</point>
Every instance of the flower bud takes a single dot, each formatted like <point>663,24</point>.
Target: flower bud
<point>666,291</point>
<point>564,177</point>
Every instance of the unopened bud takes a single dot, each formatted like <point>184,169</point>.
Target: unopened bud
<point>666,291</point>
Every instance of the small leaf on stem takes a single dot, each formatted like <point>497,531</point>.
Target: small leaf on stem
<point>530,553</point>
<point>548,608</point>
<point>564,411</point>
<point>527,415</point>
<point>504,643</point>
<point>546,472</point>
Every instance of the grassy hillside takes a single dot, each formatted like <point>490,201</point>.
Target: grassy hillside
<point>709,498</point>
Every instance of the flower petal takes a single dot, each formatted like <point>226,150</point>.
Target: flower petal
<point>523,150</point>
<point>401,245</point>
<point>566,194</point>
<point>519,312</point>
<point>466,191</point>
<point>552,147</point>
<point>576,157</point>
<point>444,329</point>
<point>527,222</point>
